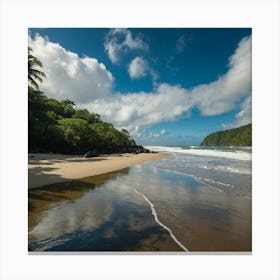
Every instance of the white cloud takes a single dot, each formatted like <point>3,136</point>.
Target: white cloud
<point>180,44</point>
<point>223,94</point>
<point>245,115</point>
<point>120,40</point>
<point>154,135</point>
<point>167,103</point>
<point>163,132</point>
<point>138,68</point>
<point>89,84</point>
<point>151,135</point>
<point>68,75</point>
<point>137,131</point>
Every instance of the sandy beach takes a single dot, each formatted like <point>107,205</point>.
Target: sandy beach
<point>45,169</point>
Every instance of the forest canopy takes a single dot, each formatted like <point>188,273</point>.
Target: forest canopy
<point>59,127</point>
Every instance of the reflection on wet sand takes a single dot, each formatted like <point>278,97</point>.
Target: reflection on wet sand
<point>78,215</point>
<point>104,213</point>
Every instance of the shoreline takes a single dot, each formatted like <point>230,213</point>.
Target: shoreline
<point>45,169</point>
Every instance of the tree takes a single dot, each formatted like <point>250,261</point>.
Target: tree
<point>69,110</point>
<point>34,75</point>
<point>58,126</point>
<point>77,134</point>
<point>68,104</point>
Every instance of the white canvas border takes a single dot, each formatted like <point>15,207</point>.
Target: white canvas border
<point>262,16</point>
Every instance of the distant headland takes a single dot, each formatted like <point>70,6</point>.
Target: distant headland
<point>240,136</point>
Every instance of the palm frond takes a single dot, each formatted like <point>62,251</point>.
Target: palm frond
<point>32,82</point>
<point>34,74</point>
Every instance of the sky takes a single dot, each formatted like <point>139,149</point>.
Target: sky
<point>166,86</point>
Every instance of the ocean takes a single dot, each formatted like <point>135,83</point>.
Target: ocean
<point>222,168</point>
<point>197,199</point>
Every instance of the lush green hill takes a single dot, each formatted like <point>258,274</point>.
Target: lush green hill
<point>60,127</point>
<point>240,136</point>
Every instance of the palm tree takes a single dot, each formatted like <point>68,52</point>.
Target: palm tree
<point>34,75</point>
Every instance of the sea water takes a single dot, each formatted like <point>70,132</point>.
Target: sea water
<point>197,199</point>
<point>224,168</point>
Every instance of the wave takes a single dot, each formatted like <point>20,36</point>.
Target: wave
<point>216,182</point>
<point>208,152</point>
<point>160,223</point>
<point>230,169</point>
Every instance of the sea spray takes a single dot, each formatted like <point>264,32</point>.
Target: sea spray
<point>220,152</point>
<point>161,224</point>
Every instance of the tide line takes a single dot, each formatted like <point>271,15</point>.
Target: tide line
<point>161,224</point>
<point>197,179</point>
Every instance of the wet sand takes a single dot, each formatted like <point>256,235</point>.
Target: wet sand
<point>45,169</point>
<point>108,213</point>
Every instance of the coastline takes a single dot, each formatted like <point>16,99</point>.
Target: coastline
<point>45,169</point>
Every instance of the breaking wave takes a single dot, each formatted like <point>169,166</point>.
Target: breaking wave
<point>243,153</point>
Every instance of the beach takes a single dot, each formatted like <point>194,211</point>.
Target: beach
<point>119,164</point>
<point>196,199</point>
<point>45,169</point>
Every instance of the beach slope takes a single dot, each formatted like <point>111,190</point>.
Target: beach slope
<point>45,169</point>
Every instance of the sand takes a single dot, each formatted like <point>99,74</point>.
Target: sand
<point>45,169</point>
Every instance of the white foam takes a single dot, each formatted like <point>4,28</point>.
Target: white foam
<point>216,189</point>
<point>197,179</point>
<point>240,155</point>
<point>161,224</point>
<point>230,169</point>
<point>237,170</point>
<point>216,182</point>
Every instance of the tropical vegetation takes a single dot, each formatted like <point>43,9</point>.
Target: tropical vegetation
<point>240,136</point>
<point>60,127</point>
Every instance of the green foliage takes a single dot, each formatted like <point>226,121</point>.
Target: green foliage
<point>57,126</point>
<point>34,74</point>
<point>77,134</point>
<point>68,104</point>
<point>85,115</point>
<point>56,107</point>
<point>241,136</point>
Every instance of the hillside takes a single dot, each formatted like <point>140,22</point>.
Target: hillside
<point>240,136</point>
<point>59,127</point>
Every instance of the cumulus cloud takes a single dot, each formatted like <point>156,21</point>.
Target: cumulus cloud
<point>138,68</point>
<point>223,94</point>
<point>245,115</point>
<point>68,75</point>
<point>167,103</point>
<point>137,131</point>
<point>87,82</point>
<point>121,40</point>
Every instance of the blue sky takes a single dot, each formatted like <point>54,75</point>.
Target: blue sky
<point>166,86</point>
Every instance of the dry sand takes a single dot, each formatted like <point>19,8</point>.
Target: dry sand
<point>45,169</point>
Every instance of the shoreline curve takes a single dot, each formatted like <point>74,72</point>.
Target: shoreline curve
<point>45,169</point>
